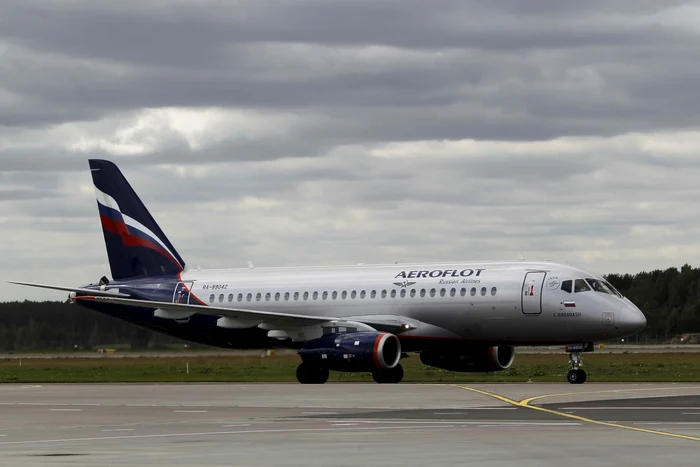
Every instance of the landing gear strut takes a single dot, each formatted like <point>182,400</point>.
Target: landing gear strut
<point>390,376</point>
<point>309,374</point>
<point>576,375</point>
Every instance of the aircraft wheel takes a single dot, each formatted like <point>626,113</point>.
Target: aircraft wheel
<point>576,376</point>
<point>391,376</point>
<point>307,374</point>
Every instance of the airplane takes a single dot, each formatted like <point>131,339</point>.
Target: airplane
<point>461,316</point>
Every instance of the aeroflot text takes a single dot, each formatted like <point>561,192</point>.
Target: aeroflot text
<point>439,273</point>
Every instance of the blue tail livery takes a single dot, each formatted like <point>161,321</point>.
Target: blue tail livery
<point>136,246</point>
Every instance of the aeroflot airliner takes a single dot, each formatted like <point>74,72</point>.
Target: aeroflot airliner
<point>466,317</point>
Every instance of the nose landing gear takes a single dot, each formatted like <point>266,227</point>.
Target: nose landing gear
<point>576,375</point>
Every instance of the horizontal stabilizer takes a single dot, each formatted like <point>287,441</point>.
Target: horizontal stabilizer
<point>108,293</point>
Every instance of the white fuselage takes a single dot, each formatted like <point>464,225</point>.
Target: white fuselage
<point>514,302</point>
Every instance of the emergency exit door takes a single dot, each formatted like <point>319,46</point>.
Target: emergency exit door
<point>531,297</point>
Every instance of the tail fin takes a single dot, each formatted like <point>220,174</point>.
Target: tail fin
<point>136,246</point>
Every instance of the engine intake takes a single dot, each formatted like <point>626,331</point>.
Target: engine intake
<point>353,352</point>
<point>482,359</point>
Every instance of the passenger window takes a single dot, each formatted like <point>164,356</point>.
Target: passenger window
<point>373,294</point>
<point>315,295</point>
<point>442,292</point>
<point>493,290</point>
<point>325,295</point>
<point>240,297</point>
<point>212,298</point>
<point>453,292</point>
<point>277,297</point>
<point>344,295</point>
<point>362,294</point>
<point>463,292</point>
<point>483,291</point>
<point>296,295</point>
<point>249,297</point>
<point>286,296</point>
<point>334,295</point>
<point>353,294</point>
<point>403,293</point>
<point>258,296</point>
<point>432,292</point>
<point>422,292</point>
<point>581,286</point>
<point>221,298</point>
<point>393,293</point>
<point>413,293</point>
<point>566,286</point>
<point>230,297</point>
<point>472,292</point>
<point>383,293</point>
<point>268,296</point>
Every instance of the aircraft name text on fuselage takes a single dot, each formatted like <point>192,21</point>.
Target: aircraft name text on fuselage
<point>439,273</point>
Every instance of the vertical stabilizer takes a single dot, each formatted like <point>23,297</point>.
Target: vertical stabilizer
<point>136,246</point>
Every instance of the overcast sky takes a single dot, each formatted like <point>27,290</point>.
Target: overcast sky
<point>330,132</point>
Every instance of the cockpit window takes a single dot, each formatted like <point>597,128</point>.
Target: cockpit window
<point>581,286</point>
<point>600,286</point>
<point>615,291</point>
<point>566,286</point>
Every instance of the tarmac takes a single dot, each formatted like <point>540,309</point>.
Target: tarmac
<point>644,424</point>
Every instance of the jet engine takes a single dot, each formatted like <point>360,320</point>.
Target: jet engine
<point>353,352</point>
<point>481,359</point>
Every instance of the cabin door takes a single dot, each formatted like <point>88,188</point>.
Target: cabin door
<point>531,296</point>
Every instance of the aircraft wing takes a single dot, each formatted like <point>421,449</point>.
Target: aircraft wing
<point>389,323</point>
<point>107,293</point>
<point>242,314</point>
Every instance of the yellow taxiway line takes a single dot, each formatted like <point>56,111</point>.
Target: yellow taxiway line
<point>526,404</point>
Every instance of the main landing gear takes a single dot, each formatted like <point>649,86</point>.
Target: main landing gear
<point>310,374</point>
<point>390,376</point>
<point>576,375</point>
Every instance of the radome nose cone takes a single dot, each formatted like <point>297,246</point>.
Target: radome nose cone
<point>633,320</point>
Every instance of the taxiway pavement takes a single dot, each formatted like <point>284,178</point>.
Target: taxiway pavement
<point>641,424</point>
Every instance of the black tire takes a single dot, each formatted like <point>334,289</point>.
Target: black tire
<point>307,374</point>
<point>321,376</point>
<point>573,377</point>
<point>583,376</point>
<point>391,376</point>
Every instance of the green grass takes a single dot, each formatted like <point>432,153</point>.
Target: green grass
<point>666,367</point>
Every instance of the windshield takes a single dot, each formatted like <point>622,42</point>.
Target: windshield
<point>600,286</point>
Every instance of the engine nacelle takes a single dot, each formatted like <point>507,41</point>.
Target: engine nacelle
<point>353,352</point>
<point>481,359</point>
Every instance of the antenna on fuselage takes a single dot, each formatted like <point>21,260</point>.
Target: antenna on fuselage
<point>251,265</point>
<point>522,257</point>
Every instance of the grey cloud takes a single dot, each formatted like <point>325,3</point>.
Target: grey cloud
<point>353,76</point>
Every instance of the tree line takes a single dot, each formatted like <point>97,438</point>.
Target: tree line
<point>669,298</point>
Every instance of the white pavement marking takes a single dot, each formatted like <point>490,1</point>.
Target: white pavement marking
<point>190,411</point>
<point>66,410</point>
<point>320,413</point>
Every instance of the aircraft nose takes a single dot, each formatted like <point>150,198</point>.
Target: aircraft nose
<point>632,320</point>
